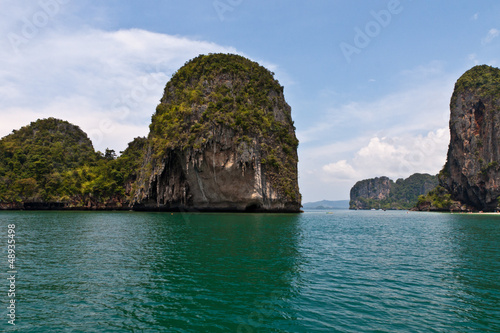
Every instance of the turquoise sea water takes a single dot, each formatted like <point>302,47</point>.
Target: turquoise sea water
<point>350,271</point>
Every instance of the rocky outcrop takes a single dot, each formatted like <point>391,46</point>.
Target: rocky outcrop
<point>51,164</point>
<point>222,139</point>
<point>366,191</point>
<point>383,193</point>
<point>472,171</point>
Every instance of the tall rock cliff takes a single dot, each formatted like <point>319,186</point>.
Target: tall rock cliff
<point>367,191</point>
<point>222,138</point>
<point>472,170</point>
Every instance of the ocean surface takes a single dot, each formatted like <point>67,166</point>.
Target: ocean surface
<point>349,271</point>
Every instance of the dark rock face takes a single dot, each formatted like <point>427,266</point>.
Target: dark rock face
<point>472,170</point>
<point>222,139</point>
<point>369,189</point>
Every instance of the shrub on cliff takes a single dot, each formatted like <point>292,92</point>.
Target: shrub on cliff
<point>51,160</point>
<point>34,159</point>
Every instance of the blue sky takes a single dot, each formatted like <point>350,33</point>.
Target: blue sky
<point>369,82</point>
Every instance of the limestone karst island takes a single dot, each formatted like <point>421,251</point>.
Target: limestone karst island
<point>222,139</point>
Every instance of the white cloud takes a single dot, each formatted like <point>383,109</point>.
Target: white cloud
<point>473,57</point>
<point>108,83</point>
<point>340,170</point>
<point>402,156</point>
<point>492,34</point>
<point>475,16</point>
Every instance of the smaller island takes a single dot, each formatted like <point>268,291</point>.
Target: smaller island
<point>51,164</point>
<point>384,193</point>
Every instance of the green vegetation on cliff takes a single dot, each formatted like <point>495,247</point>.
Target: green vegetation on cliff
<point>51,160</point>
<point>438,199</point>
<point>231,90</point>
<point>483,79</point>
<point>35,160</point>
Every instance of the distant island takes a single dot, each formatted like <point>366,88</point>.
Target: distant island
<point>222,139</point>
<point>327,204</point>
<point>384,193</point>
